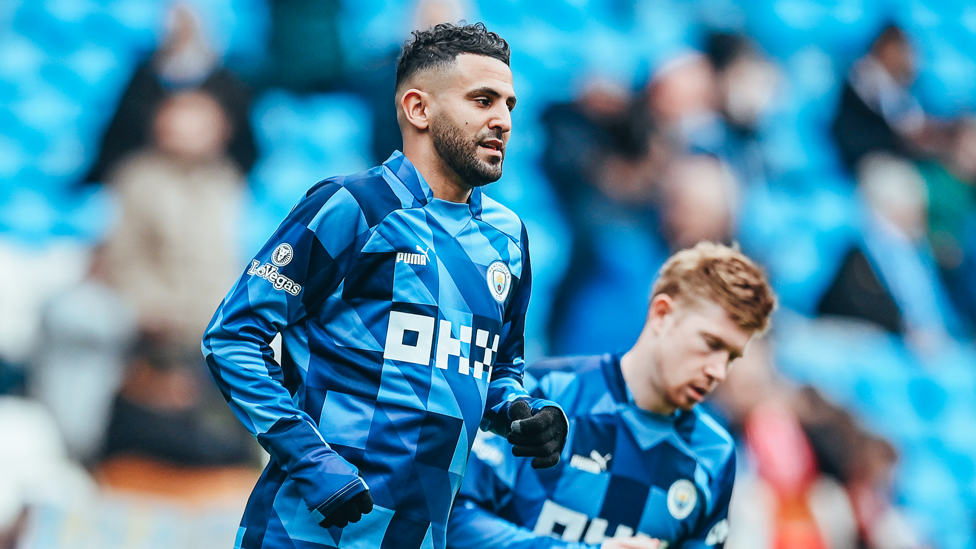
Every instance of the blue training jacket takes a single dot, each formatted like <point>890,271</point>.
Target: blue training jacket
<point>623,472</point>
<point>402,319</point>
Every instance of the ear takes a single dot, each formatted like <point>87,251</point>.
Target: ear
<point>661,306</point>
<point>413,105</point>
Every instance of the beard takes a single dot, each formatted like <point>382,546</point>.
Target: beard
<point>461,154</point>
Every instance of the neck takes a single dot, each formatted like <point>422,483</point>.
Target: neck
<point>640,374</point>
<point>443,182</point>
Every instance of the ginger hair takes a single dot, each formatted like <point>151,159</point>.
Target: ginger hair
<point>722,275</point>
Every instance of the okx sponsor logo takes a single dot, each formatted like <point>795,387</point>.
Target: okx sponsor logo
<point>411,338</point>
<point>570,525</point>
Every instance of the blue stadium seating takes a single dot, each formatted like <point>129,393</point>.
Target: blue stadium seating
<point>303,140</point>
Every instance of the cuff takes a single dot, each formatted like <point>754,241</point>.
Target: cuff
<point>537,404</point>
<point>336,500</point>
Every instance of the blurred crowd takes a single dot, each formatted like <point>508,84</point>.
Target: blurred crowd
<point>105,385</point>
<point>642,174</point>
<point>672,160</point>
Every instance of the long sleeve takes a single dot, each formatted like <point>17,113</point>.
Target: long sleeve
<point>506,386</point>
<point>302,263</point>
<point>489,486</point>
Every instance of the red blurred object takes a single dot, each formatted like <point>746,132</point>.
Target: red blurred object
<point>786,462</point>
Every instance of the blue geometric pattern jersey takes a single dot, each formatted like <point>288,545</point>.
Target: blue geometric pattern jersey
<point>401,319</point>
<point>623,472</point>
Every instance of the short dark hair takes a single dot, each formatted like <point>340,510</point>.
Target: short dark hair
<point>442,43</point>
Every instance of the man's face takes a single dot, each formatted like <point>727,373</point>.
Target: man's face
<point>473,120</point>
<point>697,343</point>
<point>899,59</point>
<point>191,126</point>
<point>696,192</point>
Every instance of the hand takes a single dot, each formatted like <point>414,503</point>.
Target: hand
<point>350,511</point>
<point>637,542</point>
<point>540,436</point>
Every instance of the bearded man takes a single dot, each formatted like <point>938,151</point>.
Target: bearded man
<point>400,296</point>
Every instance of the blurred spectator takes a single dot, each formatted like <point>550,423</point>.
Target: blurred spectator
<point>601,142</point>
<point>86,335</point>
<point>699,202</point>
<point>892,278</point>
<point>603,160</point>
<point>695,201</point>
<point>785,462</point>
<point>781,500</point>
<point>183,63</point>
<point>746,83</point>
<point>951,183</point>
<point>863,462</point>
<point>12,379</point>
<point>858,292</point>
<point>877,111</point>
<point>35,472</point>
<point>681,97</point>
<point>174,252</point>
<point>166,411</point>
<point>817,479</point>
<point>43,270</point>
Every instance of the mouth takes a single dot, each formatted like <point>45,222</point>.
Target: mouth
<point>697,393</point>
<point>493,146</point>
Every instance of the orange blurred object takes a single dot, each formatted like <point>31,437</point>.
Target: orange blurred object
<point>786,462</point>
<point>190,486</point>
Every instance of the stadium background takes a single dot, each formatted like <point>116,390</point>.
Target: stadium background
<point>64,65</point>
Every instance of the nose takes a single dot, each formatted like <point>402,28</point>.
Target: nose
<point>717,367</point>
<point>501,119</point>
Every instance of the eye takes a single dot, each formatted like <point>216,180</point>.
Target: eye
<point>483,101</point>
<point>713,344</point>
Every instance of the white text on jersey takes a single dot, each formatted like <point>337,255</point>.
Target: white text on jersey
<point>413,259</point>
<point>574,524</point>
<point>270,273</point>
<point>447,345</point>
<point>595,463</point>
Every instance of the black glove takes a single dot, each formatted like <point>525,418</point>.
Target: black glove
<point>540,436</point>
<point>350,511</point>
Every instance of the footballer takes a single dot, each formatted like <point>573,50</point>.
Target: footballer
<point>643,466</point>
<point>400,296</point>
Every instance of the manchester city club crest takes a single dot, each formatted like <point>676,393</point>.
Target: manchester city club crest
<point>499,281</point>
<point>682,497</point>
<point>282,255</point>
